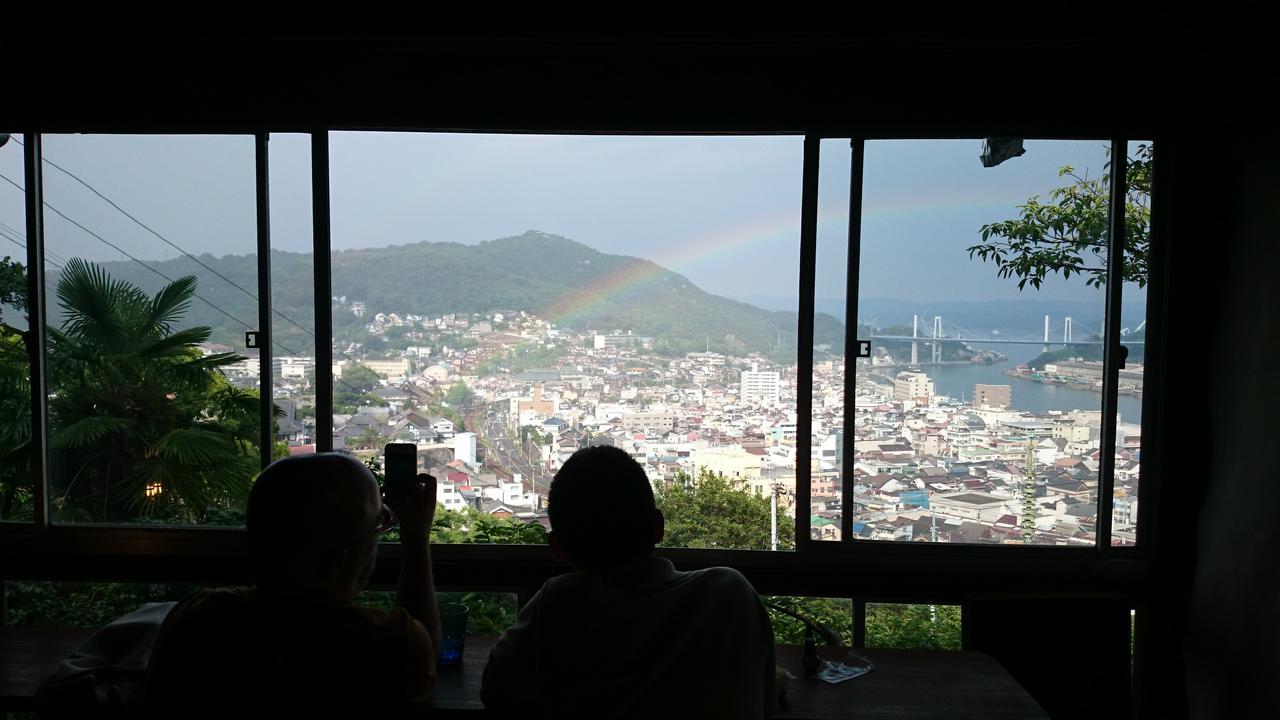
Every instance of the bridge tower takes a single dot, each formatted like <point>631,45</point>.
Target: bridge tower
<point>1066,330</point>
<point>915,344</point>
<point>1046,333</point>
<point>936,356</point>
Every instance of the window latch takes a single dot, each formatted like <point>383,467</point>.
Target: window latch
<point>864,348</point>
<point>251,339</point>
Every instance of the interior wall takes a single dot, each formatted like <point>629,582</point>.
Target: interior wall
<point>1232,648</point>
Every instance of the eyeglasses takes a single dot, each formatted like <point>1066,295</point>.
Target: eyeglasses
<point>386,521</point>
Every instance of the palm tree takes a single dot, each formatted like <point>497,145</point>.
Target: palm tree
<point>143,425</point>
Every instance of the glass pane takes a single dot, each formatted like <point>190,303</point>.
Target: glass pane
<point>830,293</point>
<point>979,415</point>
<point>82,604</point>
<point>932,627</point>
<point>153,398</point>
<point>488,613</point>
<point>15,369</point>
<point>293,361</point>
<point>502,301</point>
<point>1133,333</point>
<point>789,615</point>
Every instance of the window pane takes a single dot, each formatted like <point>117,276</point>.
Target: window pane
<point>502,301</point>
<point>293,361</point>
<point>488,613</point>
<point>1133,333</point>
<point>833,614</point>
<point>933,627</point>
<point>827,448</point>
<point>152,282</point>
<point>979,415</point>
<point>82,604</point>
<point>15,369</point>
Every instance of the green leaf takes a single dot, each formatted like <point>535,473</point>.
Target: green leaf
<point>87,431</point>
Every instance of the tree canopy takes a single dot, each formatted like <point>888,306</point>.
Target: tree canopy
<point>1067,233</point>
<point>142,422</point>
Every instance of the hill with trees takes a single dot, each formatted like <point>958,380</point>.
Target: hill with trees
<point>553,277</point>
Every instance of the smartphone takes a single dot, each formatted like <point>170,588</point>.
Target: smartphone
<point>402,465</point>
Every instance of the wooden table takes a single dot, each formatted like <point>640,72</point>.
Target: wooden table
<point>905,684</point>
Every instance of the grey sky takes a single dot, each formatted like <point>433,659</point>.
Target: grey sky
<point>724,211</point>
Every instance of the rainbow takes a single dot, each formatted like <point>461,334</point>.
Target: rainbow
<point>708,246</point>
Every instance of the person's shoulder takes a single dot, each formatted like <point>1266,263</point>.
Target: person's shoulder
<point>211,602</point>
<point>725,578</point>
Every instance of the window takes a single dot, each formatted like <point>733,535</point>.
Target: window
<point>16,486</point>
<point>979,417</point>
<point>153,390</point>
<point>502,301</point>
<point>713,390</point>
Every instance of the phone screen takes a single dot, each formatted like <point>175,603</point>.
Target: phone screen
<point>402,464</point>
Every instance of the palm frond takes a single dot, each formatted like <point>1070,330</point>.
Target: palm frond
<point>87,431</point>
<point>93,302</point>
<point>193,446</point>
<point>171,303</point>
<point>176,344</point>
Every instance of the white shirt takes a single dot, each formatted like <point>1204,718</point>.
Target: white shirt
<point>643,641</point>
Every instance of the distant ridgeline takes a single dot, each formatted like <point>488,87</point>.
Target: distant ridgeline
<point>552,277</point>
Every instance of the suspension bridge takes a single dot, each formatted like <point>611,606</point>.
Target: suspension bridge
<point>1063,333</point>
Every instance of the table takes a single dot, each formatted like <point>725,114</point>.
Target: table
<point>905,684</point>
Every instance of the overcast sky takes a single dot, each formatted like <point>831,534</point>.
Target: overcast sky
<point>724,211</point>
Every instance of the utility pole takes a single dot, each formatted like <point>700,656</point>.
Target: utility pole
<point>1029,495</point>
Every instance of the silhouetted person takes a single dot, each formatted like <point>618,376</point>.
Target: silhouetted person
<point>295,645</point>
<point>627,635</point>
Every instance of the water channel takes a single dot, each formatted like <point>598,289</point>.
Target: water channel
<point>958,380</point>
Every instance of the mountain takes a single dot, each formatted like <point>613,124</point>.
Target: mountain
<point>553,277</point>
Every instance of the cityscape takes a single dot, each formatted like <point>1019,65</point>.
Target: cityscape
<point>496,402</point>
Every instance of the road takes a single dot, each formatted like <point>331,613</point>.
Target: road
<point>488,422</point>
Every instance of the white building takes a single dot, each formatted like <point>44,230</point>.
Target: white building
<point>464,447</point>
<point>292,367</point>
<point>912,386</point>
<point>762,386</point>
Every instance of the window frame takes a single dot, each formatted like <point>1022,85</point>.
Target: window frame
<point>911,571</point>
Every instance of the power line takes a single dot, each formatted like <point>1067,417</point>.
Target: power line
<point>126,254</point>
<point>193,258</point>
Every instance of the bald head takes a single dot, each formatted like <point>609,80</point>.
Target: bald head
<point>305,508</point>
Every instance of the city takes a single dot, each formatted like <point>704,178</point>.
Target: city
<point>496,402</point>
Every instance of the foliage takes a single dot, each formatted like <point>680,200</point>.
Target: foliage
<point>1090,352</point>
<point>142,424</point>
<point>716,512</point>
<point>1068,233</point>
<point>472,526</point>
<point>489,613</point>
<point>455,417</point>
<point>528,356</point>
<point>934,627</point>
<point>81,604</point>
<point>836,614</point>
<point>13,285</point>
<point>355,389</point>
<point>458,395</point>
<point>15,429</point>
